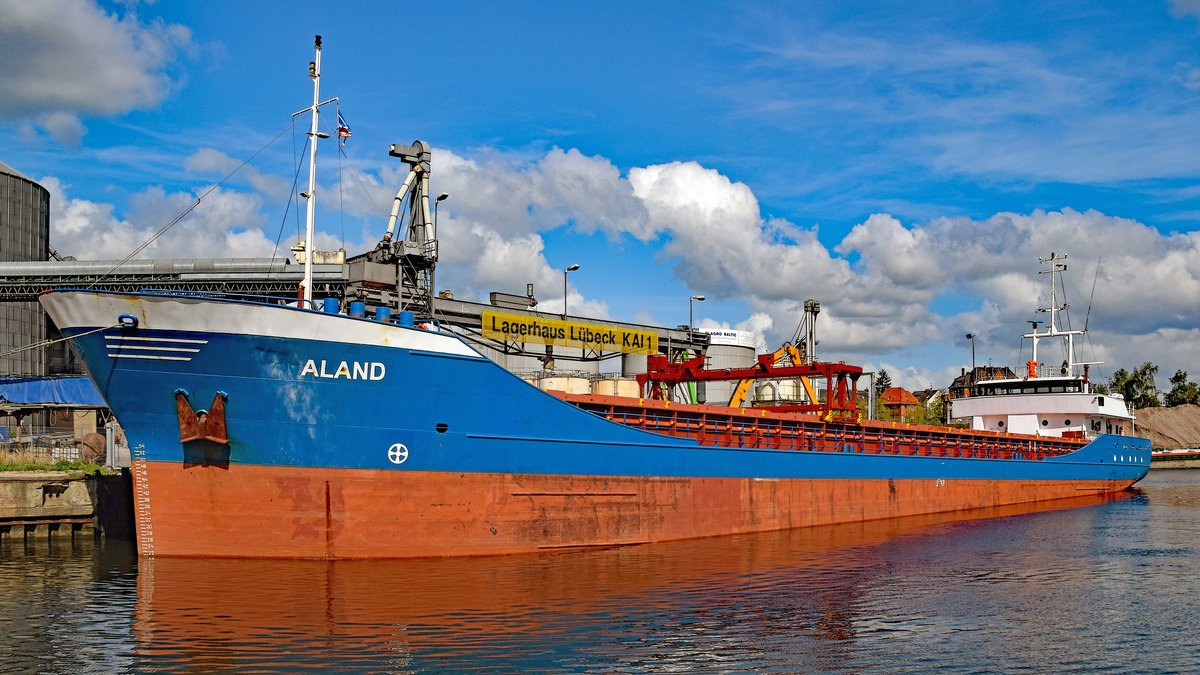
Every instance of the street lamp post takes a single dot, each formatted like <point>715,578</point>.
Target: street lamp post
<point>971,337</point>
<point>433,288</point>
<point>440,198</point>
<point>698,298</point>
<point>572,268</point>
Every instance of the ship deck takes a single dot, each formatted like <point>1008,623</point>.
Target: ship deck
<point>770,429</point>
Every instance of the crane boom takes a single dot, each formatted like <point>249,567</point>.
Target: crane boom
<point>841,401</point>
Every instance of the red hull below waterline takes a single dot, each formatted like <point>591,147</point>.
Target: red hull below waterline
<point>243,511</point>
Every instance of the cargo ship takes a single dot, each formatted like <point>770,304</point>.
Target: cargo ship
<point>271,429</point>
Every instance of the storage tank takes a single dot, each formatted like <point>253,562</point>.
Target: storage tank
<point>572,384</point>
<point>616,386</point>
<point>633,364</point>
<point>569,361</point>
<point>24,237</point>
<point>727,349</point>
<point>523,364</point>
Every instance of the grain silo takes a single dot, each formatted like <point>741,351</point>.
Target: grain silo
<point>24,236</point>
<point>727,349</point>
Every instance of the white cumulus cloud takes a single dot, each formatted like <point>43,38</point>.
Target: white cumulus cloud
<point>224,224</point>
<point>66,59</point>
<point>891,292</point>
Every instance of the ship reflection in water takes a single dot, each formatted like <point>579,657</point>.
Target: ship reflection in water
<point>913,593</point>
<point>1106,585</point>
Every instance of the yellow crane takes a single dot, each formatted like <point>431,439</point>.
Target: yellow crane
<point>787,352</point>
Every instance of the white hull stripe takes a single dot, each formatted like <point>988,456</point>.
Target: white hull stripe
<point>131,347</point>
<point>142,348</point>
<point>130,338</point>
<point>155,357</point>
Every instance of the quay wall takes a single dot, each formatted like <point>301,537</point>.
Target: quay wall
<point>1185,462</point>
<point>54,503</point>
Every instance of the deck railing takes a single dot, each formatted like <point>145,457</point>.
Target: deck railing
<point>717,427</point>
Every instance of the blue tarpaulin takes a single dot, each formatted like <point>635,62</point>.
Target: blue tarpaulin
<point>67,391</point>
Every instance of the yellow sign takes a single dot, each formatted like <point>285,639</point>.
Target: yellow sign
<point>520,328</point>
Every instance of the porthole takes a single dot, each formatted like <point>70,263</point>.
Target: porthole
<point>1067,422</point>
<point>1000,424</point>
<point>441,427</point>
<point>1045,423</point>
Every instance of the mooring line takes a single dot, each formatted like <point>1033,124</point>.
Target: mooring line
<point>47,343</point>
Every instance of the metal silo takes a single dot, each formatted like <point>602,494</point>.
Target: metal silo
<point>24,236</point>
<point>727,349</point>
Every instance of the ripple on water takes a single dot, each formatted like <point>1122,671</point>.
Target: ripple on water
<point>1095,588</point>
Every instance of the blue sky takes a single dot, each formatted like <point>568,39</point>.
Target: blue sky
<point>906,165</point>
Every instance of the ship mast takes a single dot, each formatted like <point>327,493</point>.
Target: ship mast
<point>314,72</point>
<point>1055,266</point>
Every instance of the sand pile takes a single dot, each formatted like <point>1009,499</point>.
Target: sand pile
<point>1170,428</point>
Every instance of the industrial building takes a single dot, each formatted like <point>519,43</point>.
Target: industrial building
<point>24,235</point>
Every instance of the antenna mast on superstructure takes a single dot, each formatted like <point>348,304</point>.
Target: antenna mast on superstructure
<point>1055,266</point>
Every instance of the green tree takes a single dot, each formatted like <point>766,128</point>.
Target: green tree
<point>1137,387</point>
<point>932,412</point>
<point>883,382</point>
<point>1182,392</point>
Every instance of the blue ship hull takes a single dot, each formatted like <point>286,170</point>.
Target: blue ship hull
<point>383,412</point>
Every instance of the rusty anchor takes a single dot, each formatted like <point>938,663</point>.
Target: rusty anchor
<point>208,424</point>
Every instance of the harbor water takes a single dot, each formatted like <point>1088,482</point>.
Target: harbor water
<point>1095,585</point>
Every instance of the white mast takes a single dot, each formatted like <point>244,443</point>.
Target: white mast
<point>1052,330</point>
<point>314,72</point>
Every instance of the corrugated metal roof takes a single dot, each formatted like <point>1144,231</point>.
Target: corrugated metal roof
<point>4,168</point>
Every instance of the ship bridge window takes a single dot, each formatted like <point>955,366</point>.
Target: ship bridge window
<point>1029,388</point>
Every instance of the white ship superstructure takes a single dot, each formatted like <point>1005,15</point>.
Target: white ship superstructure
<point>1048,400</point>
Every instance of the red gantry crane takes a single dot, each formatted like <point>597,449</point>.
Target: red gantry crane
<point>841,381</point>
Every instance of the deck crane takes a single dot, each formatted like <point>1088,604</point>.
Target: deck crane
<point>800,351</point>
<point>787,355</point>
<point>789,361</point>
<point>840,381</point>
<point>414,253</point>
